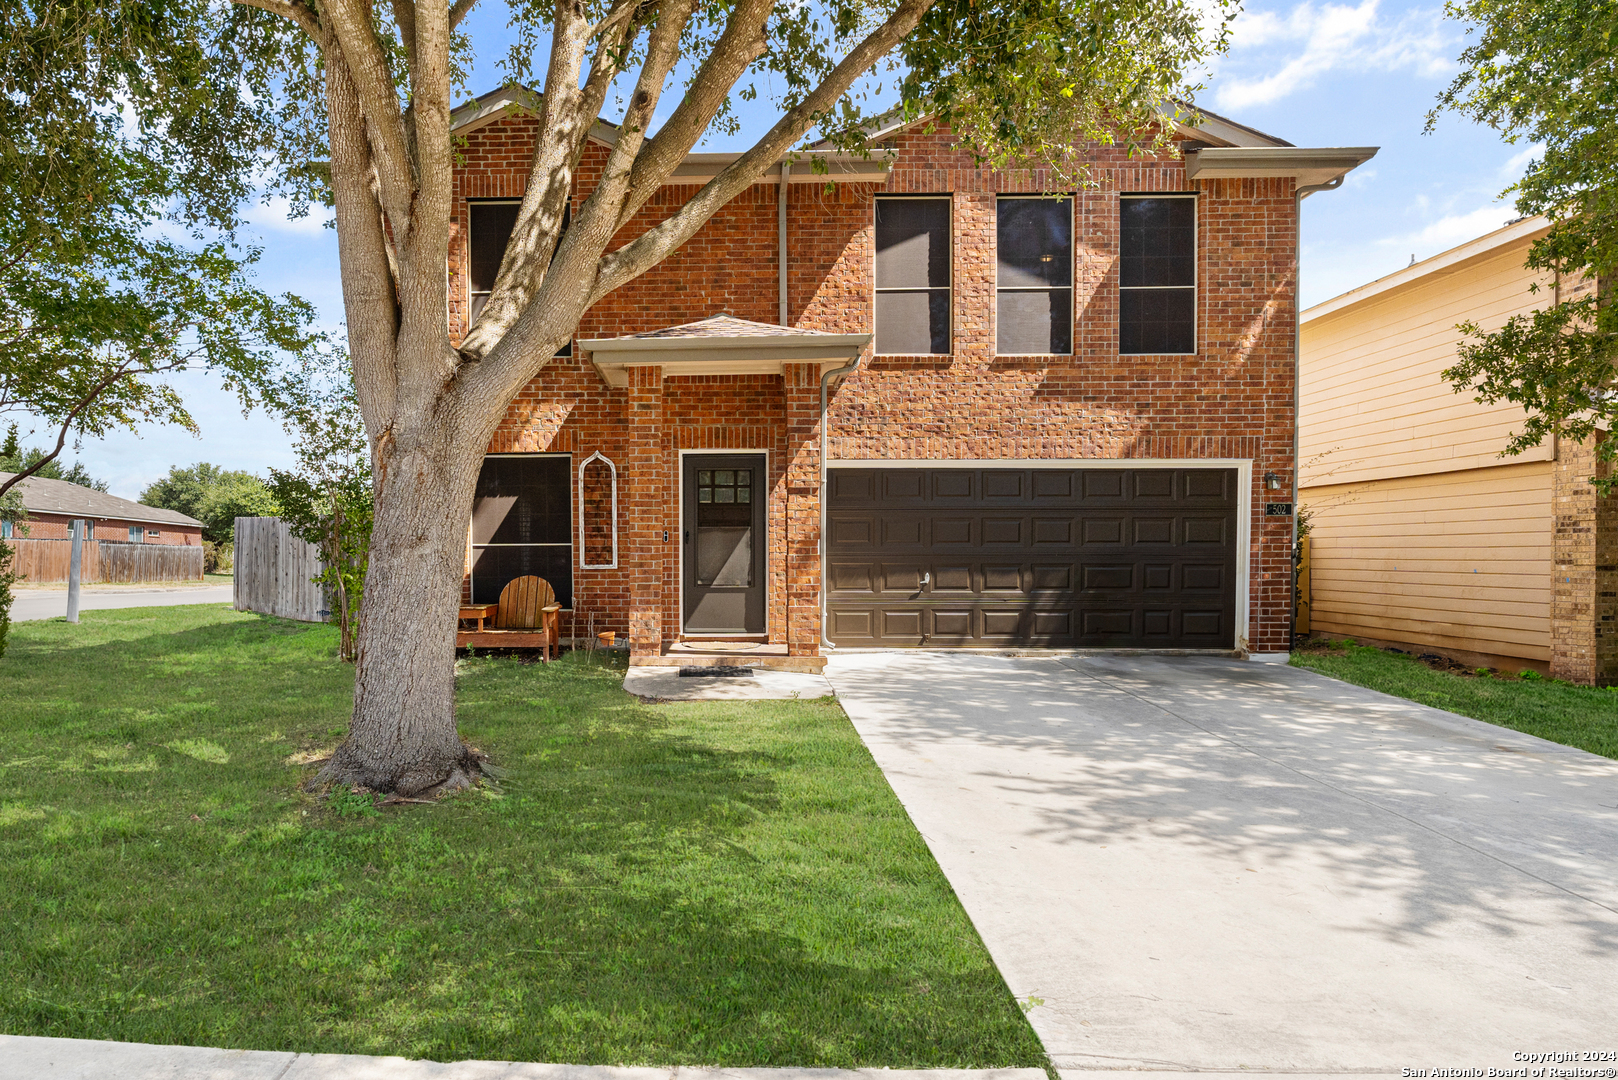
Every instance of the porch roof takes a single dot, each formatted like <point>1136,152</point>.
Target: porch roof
<point>720,345</point>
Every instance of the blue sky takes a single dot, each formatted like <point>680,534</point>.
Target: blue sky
<point>1314,74</point>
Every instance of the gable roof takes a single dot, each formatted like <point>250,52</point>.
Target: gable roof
<point>1521,230</point>
<point>42,496</point>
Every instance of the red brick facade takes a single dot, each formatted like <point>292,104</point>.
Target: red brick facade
<point>1231,401</point>
<point>47,526</point>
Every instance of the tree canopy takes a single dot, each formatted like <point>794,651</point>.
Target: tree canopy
<point>1546,72</point>
<point>126,150</point>
<point>214,496</point>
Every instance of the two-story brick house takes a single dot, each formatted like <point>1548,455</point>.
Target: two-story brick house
<point>913,402</point>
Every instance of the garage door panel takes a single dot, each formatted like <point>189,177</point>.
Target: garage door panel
<point>1002,577</point>
<point>1106,557</point>
<point>903,531</point>
<point>998,485</point>
<point>849,532</point>
<point>1206,530</point>
<point>1000,530</point>
<point>849,577</point>
<point>1053,485</point>
<point>1153,483</point>
<point>1103,530</point>
<point>1052,531</point>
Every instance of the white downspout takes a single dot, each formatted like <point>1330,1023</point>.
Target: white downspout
<point>781,240</point>
<point>1299,195</point>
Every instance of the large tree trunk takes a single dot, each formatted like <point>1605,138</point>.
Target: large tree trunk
<point>403,738</point>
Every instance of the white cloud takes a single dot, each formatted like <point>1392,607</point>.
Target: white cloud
<point>1518,163</point>
<point>1298,48</point>
<point>276,216</point>
<point>1449,231</point>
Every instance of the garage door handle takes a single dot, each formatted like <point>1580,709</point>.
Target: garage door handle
<point>925,578</point>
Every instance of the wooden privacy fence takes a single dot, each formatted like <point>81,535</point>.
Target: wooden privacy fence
<point>46,561</point>
<point>274,569</point>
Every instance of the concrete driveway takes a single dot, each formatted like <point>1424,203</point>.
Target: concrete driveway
<point>1199,864</point>
<point>52,603</point>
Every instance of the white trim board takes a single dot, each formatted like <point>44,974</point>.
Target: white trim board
<point>1244,507</point>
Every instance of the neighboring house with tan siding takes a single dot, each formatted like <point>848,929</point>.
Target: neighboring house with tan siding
<point>1423,535</point>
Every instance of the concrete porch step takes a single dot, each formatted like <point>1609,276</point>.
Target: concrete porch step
<point>753,654</point>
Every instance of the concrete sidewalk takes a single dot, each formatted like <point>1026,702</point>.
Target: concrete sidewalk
<point>52,603</point>
<point>1198,864</point>
<point>27,1057</point>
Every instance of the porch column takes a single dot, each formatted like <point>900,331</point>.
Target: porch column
<point>647,510</point>
<point>1584,568</point>
<point>802,386</point>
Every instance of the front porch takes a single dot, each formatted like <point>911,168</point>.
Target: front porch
<point>719,526</point>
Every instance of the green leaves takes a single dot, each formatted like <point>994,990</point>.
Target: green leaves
<point>1546,71</point>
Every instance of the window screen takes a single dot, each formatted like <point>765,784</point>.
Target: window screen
<point>1034,276</point>
<point>490,232</point>
<point>912,276</point>
<point>1157,303</point>
<point>522,523</point>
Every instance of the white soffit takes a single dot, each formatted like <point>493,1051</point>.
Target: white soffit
<point>761,354</point>
<point>1526,230</point>
<point>1309,165</point>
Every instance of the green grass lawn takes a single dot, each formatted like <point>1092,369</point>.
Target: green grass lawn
<point>718,883</point>
<point>1560,712</point>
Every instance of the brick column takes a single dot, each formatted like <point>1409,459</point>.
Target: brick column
<point>801,383</point>
<point>647,510</point>
<point>1584,565</point>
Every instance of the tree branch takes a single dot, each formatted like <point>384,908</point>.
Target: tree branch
<point>460,10</point>
<point>644,252</point>
<point>360,53</point>
<point>67,423</point>
<point>294,11</point>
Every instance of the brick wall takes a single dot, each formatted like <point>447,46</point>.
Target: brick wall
<point>1232,399</point>
<point>1584,562</point>
<point>55,527</point>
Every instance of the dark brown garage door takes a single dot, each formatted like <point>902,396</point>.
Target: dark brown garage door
<point>1136,557</point>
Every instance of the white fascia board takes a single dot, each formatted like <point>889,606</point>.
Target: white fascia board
<point>773,345</point>
<point>1529,229</point>
<point>1309,165</point>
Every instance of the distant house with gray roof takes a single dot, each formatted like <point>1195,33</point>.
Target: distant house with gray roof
<point>53,504</point>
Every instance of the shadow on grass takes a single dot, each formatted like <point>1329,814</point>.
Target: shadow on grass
<point>722,883</point>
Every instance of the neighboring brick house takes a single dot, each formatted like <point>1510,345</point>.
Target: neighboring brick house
<point>1424,536</point>
<point>1022,449</point>
<point>53,504</point>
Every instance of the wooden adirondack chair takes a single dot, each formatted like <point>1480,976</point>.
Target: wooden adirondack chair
<point>527,618</point>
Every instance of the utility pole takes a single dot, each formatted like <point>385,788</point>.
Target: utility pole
<point>73,567</point>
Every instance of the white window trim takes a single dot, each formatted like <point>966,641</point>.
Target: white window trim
<point>949,200</point>
<point>1196,268</point>
<point>1072,275</point>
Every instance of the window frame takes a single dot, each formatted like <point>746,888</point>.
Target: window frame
<point>573,542</point>
<point>1196,270</point>
<point>1072,270</point>
<point>948,199</point>
<point>137,535</point>
<point>471,294</point>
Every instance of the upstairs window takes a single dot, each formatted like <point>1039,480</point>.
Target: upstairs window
<point>492,221</point>
<point>1034,276</point>
<point>912,276</point>
<point>1157,277</point>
